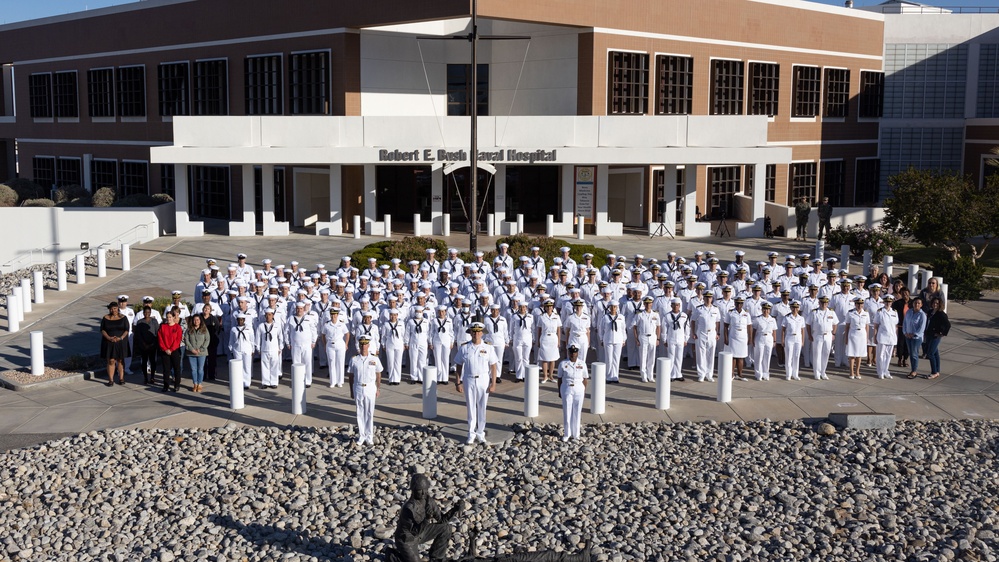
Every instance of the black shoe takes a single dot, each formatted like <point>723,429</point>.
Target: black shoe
<point>166,389</point>
<point>498,381</point>
<point>109,383</point>
<point>308,386</point>
<point>681,379</point>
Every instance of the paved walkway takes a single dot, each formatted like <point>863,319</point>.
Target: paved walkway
<point>968,388</point>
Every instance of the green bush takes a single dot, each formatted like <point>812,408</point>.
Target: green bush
<point>963,278</point>
<point>8,197</point>
<point>359,259</point>
<point>70,193</point>
<point>161,198</point>
<point>143,200</point>
<point>881,241</point>
<point>26,189</point>
<point>38,203</point>
<point>87,201</point>
<point>104,197</point>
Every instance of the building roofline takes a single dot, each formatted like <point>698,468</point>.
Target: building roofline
<point>97,12</point>
<point>824,8</point>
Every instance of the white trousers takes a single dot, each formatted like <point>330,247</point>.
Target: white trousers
<point>706,357</point>
<point>336,359</point>
<point>303,354</point>
<point>500,350</point>
<point>521,358</point>
<point>763,350</point>
<point>612,353</point>
<point>442,360</point>
<point>247,362</point>
<point>885,352</point>
<point>476,399</point>
<point>364,398</point>
<point>674,351</point>
<point>820,355</point>
<point>417,361</point>
<point>270,368</point>
<point>393,362</point>
<point>572,408</point>
<point>792,358</point>
<point>647,358</point>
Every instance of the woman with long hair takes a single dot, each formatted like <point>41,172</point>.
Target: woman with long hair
<point>114,342</point>
<point>196,341</point>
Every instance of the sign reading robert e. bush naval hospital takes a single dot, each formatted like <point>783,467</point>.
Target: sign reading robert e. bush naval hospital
<point>444,155</point>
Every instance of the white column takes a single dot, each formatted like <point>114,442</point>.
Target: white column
<point>549,226</point>
<point>357,227</point>
<point>270,226</point>
<point>669,195</point>
<point>580,227</point>
<point>820,250</point>
<point>520,223</point>
<point>889,266</point>
<point>236,384</point>
<point>925,274</point>
<point>913,280</point>
<point>416,224</point>
<point>437,215</point>
<point>25,295</point>
<point>943,291</point>
<point>868,258</point>
<point>603,226</point>
<point>39,283</point>
<point>387,222</point>
<point>370,194</point>
<point>17,295</point>
<point>247,225</point>
<point>298,406</point>
<point>499,199</point>
<point>37,354</point>
<point>429,393</point>
<point>598,388</point>
<point>531,385</point>
<point>61,275</point>
<point>725,376</point>
<point>102,263</point>
<point>13,312</point>
<point>844,257</point>
<point>81,270</point>
<point>663,367</point>
<point>126,257</point>
<point>490,225</point>
<point>182,206</point>
<point>446,220</point>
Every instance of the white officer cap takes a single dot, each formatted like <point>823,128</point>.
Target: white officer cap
<point>241,256</point>
<point>147,299</point>
<point>177,293</point>
<point>476,327</point>
<point>364,339</point>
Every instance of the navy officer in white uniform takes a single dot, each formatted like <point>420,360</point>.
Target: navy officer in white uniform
<point>365,375</point>
<point>572,378</point>
<point>476,364</point>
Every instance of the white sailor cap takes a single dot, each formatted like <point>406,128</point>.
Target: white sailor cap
<point>267,261</point>
<point>479,254</point>
<point>535,249</point>
<point>300,304</point>
<point>268,310</point>
<point>675,300</point>
<point>739,253</point>
<point>504,245</point>
<point>442,308</point>
<point>232,267</point>
<point>431,251</point>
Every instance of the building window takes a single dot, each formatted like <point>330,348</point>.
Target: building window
<point>922,81</point>
<point>104,173</point>
<point>868,184</point>
<point>263,85</point>
<point>837,92</point>
<point>764,88</point>
<point>69,172</point>
<point>43,171</point>
<point>629,83</point>
<point>132,91</point>
<point>134,179</point>
<point>174,90</point>
<point>834,181</point>
<point>936,148</point>
<point>40,95</point>
<point>807,91</point>
<point>64,94</point>
<point>676,85</point>
<point>769,182</point>
<point>988,82</point>
<point>258,190</point>
<point>459,89</point>
<point>100,92</point>
<point>803,179</point>
<point>168,180</point>
<point>211,87</point>
<point>727,87</point>
<point>209,192</point>
<point>872,94</point>
<point>310,83</point>
<point>725,182</point>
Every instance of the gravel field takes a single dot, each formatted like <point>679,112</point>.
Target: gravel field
<point>687,491</point>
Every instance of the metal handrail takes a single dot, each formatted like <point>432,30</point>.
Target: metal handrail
<point>120,239</point>
<point>29,255</point>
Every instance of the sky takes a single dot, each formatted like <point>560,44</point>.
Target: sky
<point>19,10</point>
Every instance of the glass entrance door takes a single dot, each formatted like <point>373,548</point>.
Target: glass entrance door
<point>457,201</point>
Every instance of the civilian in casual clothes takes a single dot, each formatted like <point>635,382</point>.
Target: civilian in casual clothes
<point>913,327</point>
<point>146,345</point>
<point>170,337</point>
<point>937,326</point>
<point>196,340</point>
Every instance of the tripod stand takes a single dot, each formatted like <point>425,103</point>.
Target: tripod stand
<point>661,229</point>
<point>722,229</point>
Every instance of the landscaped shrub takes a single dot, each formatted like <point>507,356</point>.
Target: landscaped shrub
<point>161,198</point>
<point>880,240</point>
<point>70,193</point>
<point>963,278</point>
<point>87,201</point>
<point>26,189</point>
<point>38,203</point>
<point>8,197</point>
<point>104,197</point>
<point>135,200</point>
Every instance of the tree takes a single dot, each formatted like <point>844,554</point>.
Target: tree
<point>944,209</point>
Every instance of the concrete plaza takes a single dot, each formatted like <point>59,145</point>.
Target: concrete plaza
<point>967,389</point>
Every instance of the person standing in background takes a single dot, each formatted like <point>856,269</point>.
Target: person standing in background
<point>825,211</point>
<point>801,211</point>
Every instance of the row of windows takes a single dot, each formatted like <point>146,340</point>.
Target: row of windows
<point>804,181</point>
<point>816,90</point>
<point>201,88</point>
<point>128,177</point>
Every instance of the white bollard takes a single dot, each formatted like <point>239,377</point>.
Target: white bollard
<point>913,278</point>
<point>888,267</point>
<point>18,298</point>
<point>25,295</point>
<point>126,257</point>
<point>61,275</point>
<point>81,270</point>
<point>102,263</point>
<point>298,407</point>
<point>416,224</point>
<point>447,224</point>
<point>13,313</point>
<point>550,226</point>
<point>598,388</point>
<point>868,258</point>
<point>844,257</point>
<point>580,227</point>
<point>925,275</point>
<point>39,283</point>
<point>388,226</point>
<point>943,291</point>
<point>37,354</point>
<point>357,227</point>
<point>490,225</point>
<point>429,393</point>
<point>663,367</point>
<point>725,376</point>
<point>236,384</point>
<point>531,391</point>
<point>820,250</point>
<point>520,224</point>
